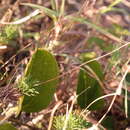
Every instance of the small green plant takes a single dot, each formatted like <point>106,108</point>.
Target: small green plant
<point>24,87</point>
<point>75,122</point>
<point>8,34</point>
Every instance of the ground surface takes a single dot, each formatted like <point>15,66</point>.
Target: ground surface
<point>37,31</point>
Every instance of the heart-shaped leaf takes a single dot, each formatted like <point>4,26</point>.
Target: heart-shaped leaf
<point>40,81</point>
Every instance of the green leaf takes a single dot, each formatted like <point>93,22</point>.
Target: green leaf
<point>89,88</point>
<point>7,126</point>
<point>40,80</point>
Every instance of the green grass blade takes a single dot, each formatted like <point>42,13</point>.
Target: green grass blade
<point>47,11</point>
<point>110,7</point>
<point>115,3</point>
<point>96,27</point>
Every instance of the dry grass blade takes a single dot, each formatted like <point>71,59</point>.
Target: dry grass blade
<point>52,114</point>
<point>20,21</point>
